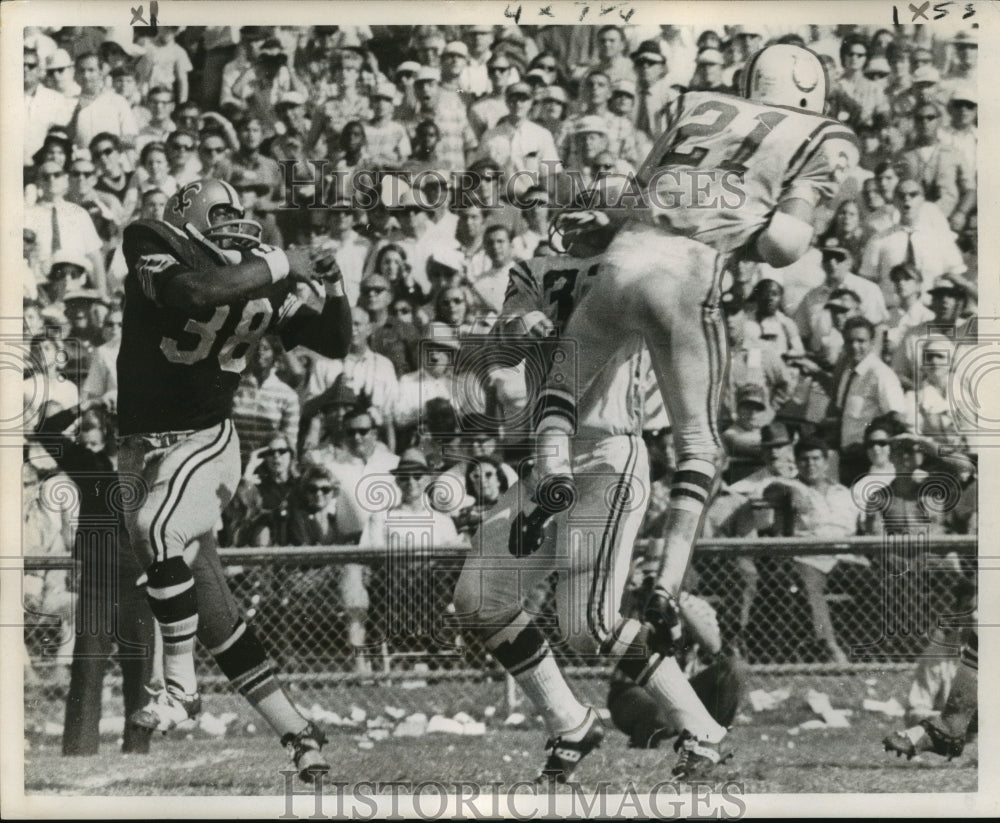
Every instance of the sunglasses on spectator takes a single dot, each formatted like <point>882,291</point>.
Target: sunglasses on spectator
<point>161,101</point>
<point>55,175</point>
<point>497,69</point>
<point>214,149</point>
<point>112,324</point>
<point>402,310</point>
<point>79,173</point>
<point>57,71</point>
<point>181,146</point>
<point>31,65</point>
<point>412,477</point>
<point>646,63</point>
<point>920,60</point>
<point>454,301</point>
<point>276,452</point>
<point>872,443</point>
<point>358,432</point>
<point>910,195</point>
<point>876,75</point>
<point>926,117</point>
<point>319,489</point>
<point>546,66</point>
<point>374,289</point>
<point>488,475</point>
<point>857,54</point>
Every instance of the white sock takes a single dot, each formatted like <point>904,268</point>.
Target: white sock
<point>548,690</point>
<point>671,689</point>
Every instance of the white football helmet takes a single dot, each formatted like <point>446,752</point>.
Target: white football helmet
<point>786,75</point>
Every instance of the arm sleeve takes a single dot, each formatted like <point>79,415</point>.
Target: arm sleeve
<point>817,179</point>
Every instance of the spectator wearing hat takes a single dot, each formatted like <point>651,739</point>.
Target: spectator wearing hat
<point>931,399</point>
<point>105,210</point>
<point>586,142</point>
<point>551,112</point>
<point>182,156</point>
<point>595,95</point>
<point>80,334</point>
<point>159,126</point>
<point>478,39</point>
<point>743,43</point>
<point>910,311</point>
<point>388,141</point>
<point>391,337</point>
<point>457,138</point>
<point>750,364</point>
<point>249,157</point>
<point>742,437</point>
<point>962,133</point>
<point>519,145</point>
<point>68,273</point>
<point>62,227</point>
<point>56,148</point>
<point>622,102</point>
<point>433,379</point>
<point>654,92</point>
<point>99,109</point>
<point>43,107</point>
<point>965,48</point>
<point>292,119</point>
<point>459,75</point>
<point>371,375</point>
<point>489,109</point>
<point>410,524</point>
<point>214,154</point>
<point>922,237</point>
<point>947,181</point>
<point>812,315</point>
<point>949,298</point>
<point>534,203</point>
<point>252,39</point>
<point>446,271</point>
<point>59,76</point>
<point>261,86</point>
<point>255,198</point>
<point>165,63</point>
<point>708,72</point>
<point>612,60</point>
<point>405,79</point>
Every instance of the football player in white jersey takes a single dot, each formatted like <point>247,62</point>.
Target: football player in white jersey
<point>589,546</point>
<point>733,178</point>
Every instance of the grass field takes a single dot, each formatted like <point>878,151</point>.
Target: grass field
<point>768,758</point>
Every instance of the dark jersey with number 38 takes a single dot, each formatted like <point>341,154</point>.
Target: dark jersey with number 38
<point>179,369</point>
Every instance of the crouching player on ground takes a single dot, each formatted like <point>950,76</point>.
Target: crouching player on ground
<point>200,293</point>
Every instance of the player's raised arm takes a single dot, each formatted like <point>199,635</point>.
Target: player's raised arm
<point>327,332</point>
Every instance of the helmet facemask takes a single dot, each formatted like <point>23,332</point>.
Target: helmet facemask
<point>229,229</point>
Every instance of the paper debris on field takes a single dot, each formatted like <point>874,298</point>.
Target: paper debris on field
<point>474,729</point>
<point>379,734</point>
<point>439,724</point>
<point>210,724</point>
<point>463,718</point>
<point>819,702</point>
<point>111,725</point>
<point>413,726</point>
<point>358,714</point>
<point>890,707</point>
<point>815,723</point>
<point>762,701</point>
<point>515,719</point>
<point>395,712</point>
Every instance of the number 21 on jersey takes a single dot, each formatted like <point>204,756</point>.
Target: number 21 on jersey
<point>253,322</point>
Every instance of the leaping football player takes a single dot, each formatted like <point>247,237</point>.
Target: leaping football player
<point>732,178</point>
<point>200,292</point>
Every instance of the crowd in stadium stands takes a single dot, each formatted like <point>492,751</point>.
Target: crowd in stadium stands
<point>840,362</point>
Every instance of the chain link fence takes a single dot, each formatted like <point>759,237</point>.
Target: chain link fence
<point>887,600</point>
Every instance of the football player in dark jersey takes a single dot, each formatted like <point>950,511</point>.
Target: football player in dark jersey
<point>200,293</point>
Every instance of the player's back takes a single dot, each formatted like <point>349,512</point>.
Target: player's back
<point>612,403</point>
<point>177,368</point>
<point>717,174</point>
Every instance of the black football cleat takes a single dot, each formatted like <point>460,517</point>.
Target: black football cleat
<point>305,750</point>
<point>697,758</point>
<point>933,740</point>
<point>565,755</point>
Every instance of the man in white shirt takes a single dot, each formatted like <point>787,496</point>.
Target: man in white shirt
<point>867,387</point>
<point>517,144</point>
<point>490,286</point>
<point>62,226</point>
<point>911,312</point>
<point>43,107</point>
<point>100,109</point>
<point>922,236</point>
<point>371,375</point>
<point>349,247</point>
<point>811,316</point>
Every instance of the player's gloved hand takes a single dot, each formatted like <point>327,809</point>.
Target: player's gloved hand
<point>662,617</point>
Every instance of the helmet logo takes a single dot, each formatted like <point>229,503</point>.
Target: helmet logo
<point>804,74</point>
<point>183,201</point>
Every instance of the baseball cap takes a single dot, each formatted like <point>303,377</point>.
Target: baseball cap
<point>557,93</point>
<point>751,394</point>
<point>386,91</point>
<point>624,87</point>
<point>59,59</point>
<point>292,98</point>
<point>965,91</point>
<point>519,89</point>
<point>590,123</point>
<point>904,270</point>
<point>83,296</point>
<point>428,73</point>
<point>877,65</point>
<point>457,47</point>
<point>408,67</point>
<point>412,461</point>
<point>843,300</point>
<point>50,167</point>
<point>965,38</point>
<point>946,284</point>
<point>537,74</point>
<point>832,248</point>
<point>926,74</point>
<point>743,31</point>
<point>710,57</point>
<point>649,50</point>
<point>69,258</point>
